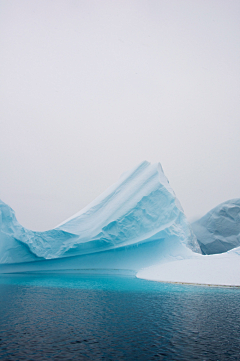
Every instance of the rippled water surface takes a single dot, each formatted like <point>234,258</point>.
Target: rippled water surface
<point>86,317</point>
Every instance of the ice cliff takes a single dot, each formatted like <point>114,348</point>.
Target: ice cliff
<point>219,230</point>
<point>135,223</point>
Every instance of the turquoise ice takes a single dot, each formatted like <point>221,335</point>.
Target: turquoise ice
<point>135,223</point>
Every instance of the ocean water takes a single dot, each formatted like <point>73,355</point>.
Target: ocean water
<point>89,317</point>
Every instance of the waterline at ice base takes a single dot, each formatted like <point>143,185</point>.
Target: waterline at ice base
<point>136,224</point>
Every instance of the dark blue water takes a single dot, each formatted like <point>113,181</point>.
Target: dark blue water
<point>77,317</point>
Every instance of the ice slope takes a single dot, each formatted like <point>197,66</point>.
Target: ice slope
<point>218,269</point>
<point>135,223</point>
<point>219,230</point>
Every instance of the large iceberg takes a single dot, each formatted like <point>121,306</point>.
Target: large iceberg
<point>135,223</point>
<point>219,230</point>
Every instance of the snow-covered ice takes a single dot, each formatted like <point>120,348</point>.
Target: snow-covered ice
<point>219,269</point>
<point>135,223</point>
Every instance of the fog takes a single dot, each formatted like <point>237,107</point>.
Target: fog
<point>89,89</point>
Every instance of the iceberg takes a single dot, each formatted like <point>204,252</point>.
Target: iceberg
<point>135,223</point>
<point>219,230</point>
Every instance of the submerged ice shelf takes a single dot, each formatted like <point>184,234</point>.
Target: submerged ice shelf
<point>135,223</point>
<point>217,269</point>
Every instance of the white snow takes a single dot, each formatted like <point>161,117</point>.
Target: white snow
<point>220,269</point>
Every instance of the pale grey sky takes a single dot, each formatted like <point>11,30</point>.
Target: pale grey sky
<point>91,88</point>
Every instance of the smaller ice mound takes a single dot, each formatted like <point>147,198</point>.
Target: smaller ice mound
<point>219,230</point>
<point>218,269</point>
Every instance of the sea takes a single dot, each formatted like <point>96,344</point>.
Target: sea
<point>115,317</point>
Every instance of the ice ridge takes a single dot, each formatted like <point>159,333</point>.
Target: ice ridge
<point>135,223</point>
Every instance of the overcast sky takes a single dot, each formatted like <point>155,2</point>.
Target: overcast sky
<point>90,88</point>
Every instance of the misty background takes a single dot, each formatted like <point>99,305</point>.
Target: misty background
<point>89,89</point>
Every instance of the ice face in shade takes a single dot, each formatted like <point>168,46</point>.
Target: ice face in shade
<point>219,230</point>
<point>135,223</point>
